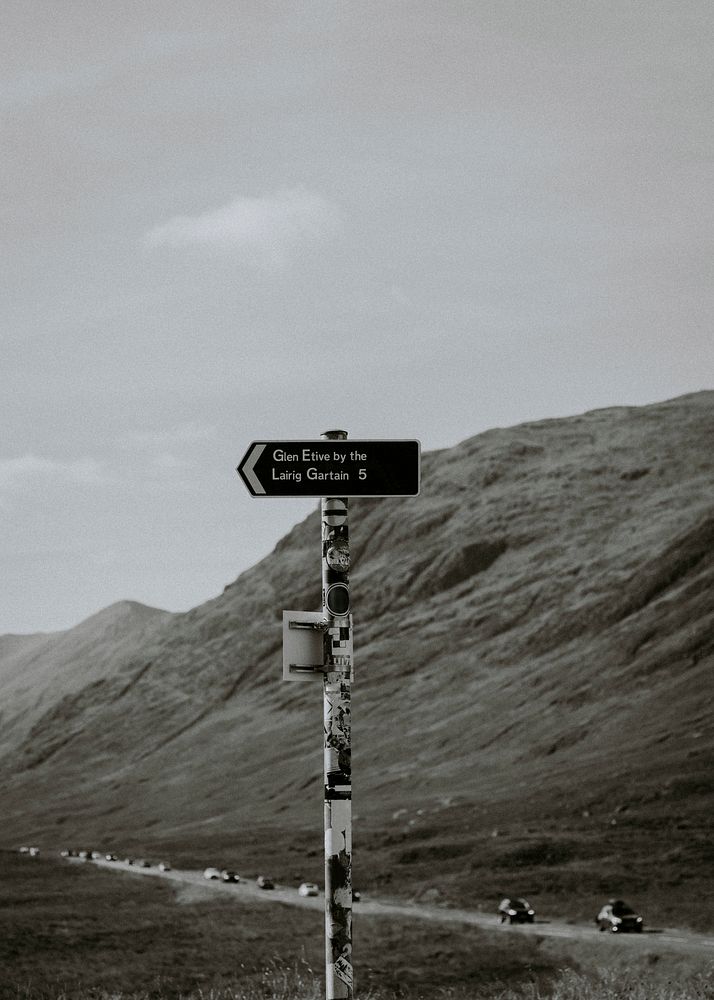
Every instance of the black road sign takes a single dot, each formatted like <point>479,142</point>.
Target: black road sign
<point>332,468</point>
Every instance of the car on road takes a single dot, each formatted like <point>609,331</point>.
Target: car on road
<point>263,882</point>
<point>128,861</point>
<point>356,895</point>
<point>24,850</point>
<point>84,855</point>
<point>308,889</point>
<point>66,853</point>
<point>164,866</point>
<point>619,918</point>
<point>211,873</point>
<point>110,857</point>
<point>143,863</point>
<point>230,876</point>
<point>516,910</point>
<point>33,852</point>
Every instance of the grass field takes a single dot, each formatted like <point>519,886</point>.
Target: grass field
<point>72,931</point>
<point>566,868</point>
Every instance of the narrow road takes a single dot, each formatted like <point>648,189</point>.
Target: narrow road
<point>669,939</point>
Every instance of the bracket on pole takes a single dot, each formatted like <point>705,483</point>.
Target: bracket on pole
<point>314,646</point>
<point>303,645</point>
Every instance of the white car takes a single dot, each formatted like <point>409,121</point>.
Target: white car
<point>308,889</point>
<point>164,866</point>
<point>211,873</point>
<point>33,852</point>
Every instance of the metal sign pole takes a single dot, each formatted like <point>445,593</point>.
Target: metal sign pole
<point>337,689</point>
<point>319,643</point>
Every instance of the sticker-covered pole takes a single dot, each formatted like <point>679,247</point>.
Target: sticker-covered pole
<point>338,743</point>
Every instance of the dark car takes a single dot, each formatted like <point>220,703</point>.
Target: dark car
<point>516,910</point>
<point>263,882</point>
<point>230,876</point>
<point>619,918</point>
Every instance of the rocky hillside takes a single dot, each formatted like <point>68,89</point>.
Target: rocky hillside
<point>534,638</point>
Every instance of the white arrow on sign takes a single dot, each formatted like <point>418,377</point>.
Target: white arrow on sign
<point>248,468</point>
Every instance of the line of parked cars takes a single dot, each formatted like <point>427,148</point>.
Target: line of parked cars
<point>211,873</point>
<point>615,916</point>
<point>83,855</point>
<point>262,881</point>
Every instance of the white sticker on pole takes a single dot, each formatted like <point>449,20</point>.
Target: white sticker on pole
<point>343,969</point>
<point>334,512</point>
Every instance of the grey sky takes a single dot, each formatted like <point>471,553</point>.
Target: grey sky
<point>241,220</point>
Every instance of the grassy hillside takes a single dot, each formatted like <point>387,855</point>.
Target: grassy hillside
<point>534,640</point>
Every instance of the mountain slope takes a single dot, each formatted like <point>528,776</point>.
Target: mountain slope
<point>534,635</point>
<point>39,671</point>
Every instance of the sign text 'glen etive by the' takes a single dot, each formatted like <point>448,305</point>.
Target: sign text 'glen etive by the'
<point>332,468</point>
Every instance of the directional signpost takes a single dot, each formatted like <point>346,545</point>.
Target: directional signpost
<point>332,467</point>
<point>319,644</point>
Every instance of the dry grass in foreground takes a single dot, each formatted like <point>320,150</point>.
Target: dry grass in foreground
<point>294,984</point>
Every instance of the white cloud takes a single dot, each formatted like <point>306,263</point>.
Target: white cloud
<point>265,231</point>
<point>17,471</point>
